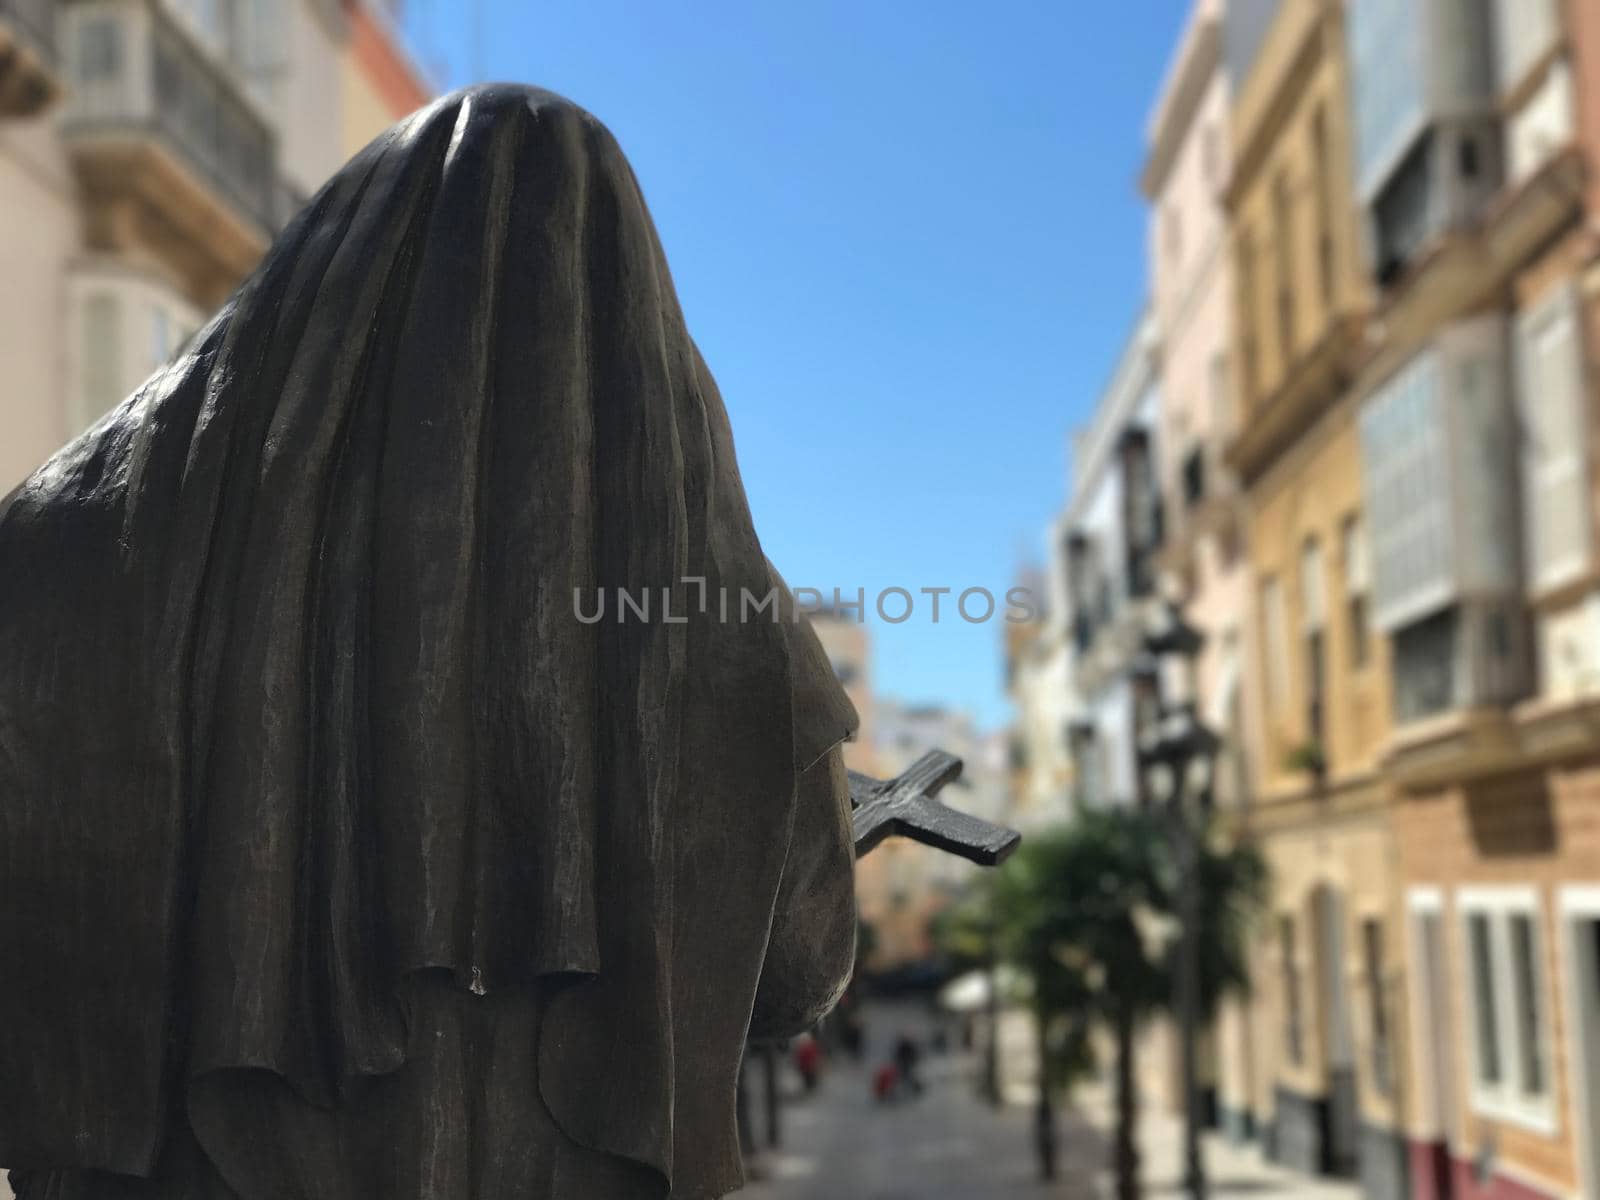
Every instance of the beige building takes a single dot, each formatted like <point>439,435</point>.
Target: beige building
<point>1037,683</point>
<point>1320,1081</point>
<point>149,150</point>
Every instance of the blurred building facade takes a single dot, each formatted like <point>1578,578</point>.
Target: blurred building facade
<point>1475,184</point>
<point>1184,177</point>
<point>1040,766</point>
<point>1107,538</point>
<point>149,151</point>
<point>902,885</point>
<point>1374,258</point>
<point>1320,687</point>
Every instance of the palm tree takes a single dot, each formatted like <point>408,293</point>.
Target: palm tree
<point>1074,909</point>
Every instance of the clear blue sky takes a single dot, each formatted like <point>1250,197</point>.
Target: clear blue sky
<point>907,238</point>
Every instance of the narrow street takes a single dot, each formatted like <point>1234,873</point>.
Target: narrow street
<point>948,1144</point>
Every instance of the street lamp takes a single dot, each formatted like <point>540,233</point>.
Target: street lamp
<point>1176,755</point>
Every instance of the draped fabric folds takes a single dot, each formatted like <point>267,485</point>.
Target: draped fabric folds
<point>297,706</point>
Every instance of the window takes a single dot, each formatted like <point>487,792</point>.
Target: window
<point>1141,505</point>
<point>1406,477</point>
<point>1313,591</point>
<point>1353,553</point>
<point>1551,407</point>
<point>102,357</point>
<point>1487,1024</point>
<point>1525,994</point>
<point>1084,579</point>
<point>1322,163</point>
<point>1425,675</point>
<point>1275,641</point>
<point>99,50</point>
<point>1249,366</point>
<point>1283,234</point>
<point>1377,1002</point>
<point>1313,615</point>
<point>1211,157</point>
<point>1194,476</point>
<point>1388,43</point>
<point>1293,1017</point>
<point>1511,1051</point>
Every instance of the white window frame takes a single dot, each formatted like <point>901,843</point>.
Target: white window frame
<point>1507,1101</point>
<point>135,297</point>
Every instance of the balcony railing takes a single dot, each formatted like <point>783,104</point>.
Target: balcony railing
<point>135,72</point>
<point>27,56</point>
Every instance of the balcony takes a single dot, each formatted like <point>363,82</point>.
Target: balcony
<point>1464,269</point>
<point>28,78</point>
<point>1314,381</point>
<point>173,158</point>
<point>1471,745</point>
<point>1203,501</point>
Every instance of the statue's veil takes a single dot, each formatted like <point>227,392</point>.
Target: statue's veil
<point>294,701</point>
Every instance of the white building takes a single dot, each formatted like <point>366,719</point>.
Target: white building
<point>1109,536</point>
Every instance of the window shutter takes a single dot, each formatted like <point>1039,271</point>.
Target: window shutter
<point>1550,405</point>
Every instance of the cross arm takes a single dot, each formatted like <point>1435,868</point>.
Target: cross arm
<point>906,806</point>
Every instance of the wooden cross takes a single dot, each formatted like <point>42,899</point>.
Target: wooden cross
<point>905,806</point>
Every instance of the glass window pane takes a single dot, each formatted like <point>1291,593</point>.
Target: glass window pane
<point>1378,1012</point>
<point>1276,634</point>
<point>1525,978</point>
<point>1483,999</point>
<point>1293,1037</point>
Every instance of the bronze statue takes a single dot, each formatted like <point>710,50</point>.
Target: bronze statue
<point>338,858</point>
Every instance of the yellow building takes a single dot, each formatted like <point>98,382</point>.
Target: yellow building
<point>1321,1081</point>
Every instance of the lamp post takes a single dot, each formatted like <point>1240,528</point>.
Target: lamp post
<point>1177,750</point>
